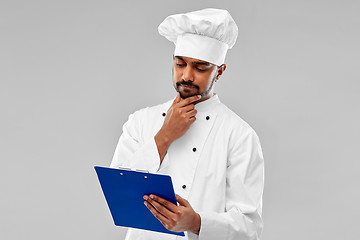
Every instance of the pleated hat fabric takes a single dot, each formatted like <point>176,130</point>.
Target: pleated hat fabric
<point>205,34</point>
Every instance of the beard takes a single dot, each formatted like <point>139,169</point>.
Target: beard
<point>192,89</point>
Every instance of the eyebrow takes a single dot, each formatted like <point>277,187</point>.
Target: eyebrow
<point>197,63</point>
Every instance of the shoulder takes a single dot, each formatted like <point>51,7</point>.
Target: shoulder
<point>234,120</point>
<point>241,136</point>
<point>237,130</point>
<point>150,111</point>
<point>145,120</point>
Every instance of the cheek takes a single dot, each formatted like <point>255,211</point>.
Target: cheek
<point>177,76</point>
<point>204,81</point>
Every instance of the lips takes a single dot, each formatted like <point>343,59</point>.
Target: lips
<point>187,86</point>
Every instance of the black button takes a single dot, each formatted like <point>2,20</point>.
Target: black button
<point>184,186</point>
<point>164,114</point>
<point>207,117</point>
<point>194,149</point>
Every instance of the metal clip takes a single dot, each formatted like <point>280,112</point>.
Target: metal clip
<point>137,170</point>
<point>123,168</point>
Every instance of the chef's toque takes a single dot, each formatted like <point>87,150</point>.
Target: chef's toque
<point>205,34</point>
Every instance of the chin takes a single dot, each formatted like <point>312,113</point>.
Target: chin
<point>186,95</point>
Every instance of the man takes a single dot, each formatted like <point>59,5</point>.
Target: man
<point>213,156</point>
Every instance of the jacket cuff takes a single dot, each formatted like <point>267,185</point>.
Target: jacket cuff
<point>210,228</point>
<point>147,157</point>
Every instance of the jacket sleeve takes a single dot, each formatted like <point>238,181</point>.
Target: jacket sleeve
<point>244,189</point>
<point>134,150</point>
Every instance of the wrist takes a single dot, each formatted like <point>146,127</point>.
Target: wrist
<point>164,137</point>
<point>197,224</point>
<point>163,143</point>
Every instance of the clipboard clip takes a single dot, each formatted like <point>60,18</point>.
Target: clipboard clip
<point>132,169</point>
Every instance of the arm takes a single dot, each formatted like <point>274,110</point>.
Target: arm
<point>245,181</point>
<point>178,119</point>
<point>131,152</point>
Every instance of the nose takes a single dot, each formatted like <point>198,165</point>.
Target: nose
<point>188,74</point>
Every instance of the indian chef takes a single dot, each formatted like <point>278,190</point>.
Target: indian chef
<point>212,155</point>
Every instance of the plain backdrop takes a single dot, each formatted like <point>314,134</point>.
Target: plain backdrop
<point>72,71</point>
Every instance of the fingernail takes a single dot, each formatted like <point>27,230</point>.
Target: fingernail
<point>145,203</point>
<point>152,196</point>
<point>145,197</point>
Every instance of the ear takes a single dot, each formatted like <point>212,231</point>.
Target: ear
<point>220,71</point>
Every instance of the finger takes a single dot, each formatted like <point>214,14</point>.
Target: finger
<point>189,100</point>
<point>182,201</point>
<point>164,221</point>
<point>177,98</point>
<point>169,205</point>
<point>188,108</point>
<point>192,119</point>
<point>163,210</point>
<point>192,113</point>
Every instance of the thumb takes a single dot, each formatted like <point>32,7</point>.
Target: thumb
<point>182,201</point>
<point>177,98</point>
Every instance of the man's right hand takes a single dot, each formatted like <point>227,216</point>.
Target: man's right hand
<point>178,119</point>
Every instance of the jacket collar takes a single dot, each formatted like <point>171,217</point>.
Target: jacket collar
<point>208,104</point>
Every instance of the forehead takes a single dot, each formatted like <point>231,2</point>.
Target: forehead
<point>192,60</point>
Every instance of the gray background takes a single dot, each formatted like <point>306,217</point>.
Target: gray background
<point>72,71</point>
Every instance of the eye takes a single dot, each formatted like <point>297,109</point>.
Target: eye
<point>201,70</point>
<point>180,64</point>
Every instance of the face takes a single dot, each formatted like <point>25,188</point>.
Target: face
<point>195,77</point>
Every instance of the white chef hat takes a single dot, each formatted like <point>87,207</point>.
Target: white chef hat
<point>205,34</point>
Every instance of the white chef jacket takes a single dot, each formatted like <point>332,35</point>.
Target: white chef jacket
<point>217,166</point>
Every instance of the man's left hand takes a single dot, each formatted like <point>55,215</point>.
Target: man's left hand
<point>174,218</point>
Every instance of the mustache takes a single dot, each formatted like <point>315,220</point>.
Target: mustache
<point>187,84</point>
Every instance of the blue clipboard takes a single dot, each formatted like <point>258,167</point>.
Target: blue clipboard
<point>124,191</point>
